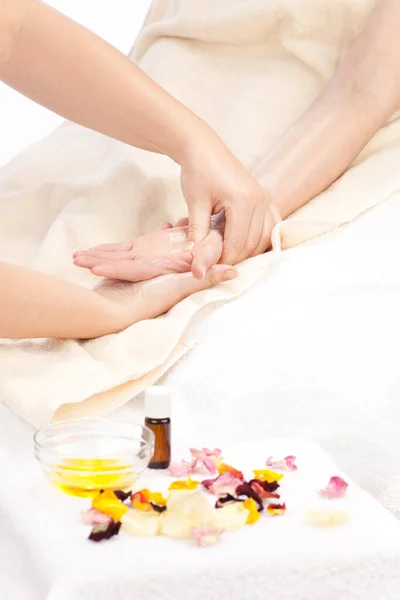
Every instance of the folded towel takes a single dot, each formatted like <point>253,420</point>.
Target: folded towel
<point>266,61</point>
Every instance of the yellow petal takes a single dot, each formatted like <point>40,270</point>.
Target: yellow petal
<point>108,504</point>
<point>188,484</point>
<point>267,475</point>
<point>141,524</point>
<point>252,507</point>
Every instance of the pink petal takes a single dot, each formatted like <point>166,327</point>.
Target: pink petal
<point>207,457</point>
<point>185,467</point>
<point>222,485</point>
<point>205,536</point>
<point>336,488</point>
<point>289,463</point>
<point>94,517</point>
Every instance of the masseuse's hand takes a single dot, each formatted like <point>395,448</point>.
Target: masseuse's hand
<point>213,180</point>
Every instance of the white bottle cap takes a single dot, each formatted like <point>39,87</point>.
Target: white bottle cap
<point>158,401</point>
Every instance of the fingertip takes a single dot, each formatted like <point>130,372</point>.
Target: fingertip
<point>230,274</point>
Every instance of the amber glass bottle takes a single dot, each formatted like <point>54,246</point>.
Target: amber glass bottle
<point>158,418</point>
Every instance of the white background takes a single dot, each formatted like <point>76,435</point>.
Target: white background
<point>21,121</point>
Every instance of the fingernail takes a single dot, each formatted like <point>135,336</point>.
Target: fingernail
<point>203,273</point>
<point>230,274</point>
<point>189,247</point>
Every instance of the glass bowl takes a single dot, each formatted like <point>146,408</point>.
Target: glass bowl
<point>85,456</point>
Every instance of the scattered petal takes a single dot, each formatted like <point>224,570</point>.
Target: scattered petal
<point>158,508</point>
<point>245,489</point>
<point>267,475</point>
<point>206,536</point>
<point>207,457</point>
<point>326,517</point>
<point>287,463</point>
<point>188,484</point>
<point>252,507</point>
<point>108,503</point>
<point>141,523</point>
<point>264,489</point>
<point>336,488</point>
<point>276,509</point>
<point>183,468</point>
<point>225,500</point>
<point>145,500</point>
<point>222,485</point>
<point>95,517</point>
<point>123,496</point>
<point>223,468</point>
<point>230,518</point>
<point>104,532</point>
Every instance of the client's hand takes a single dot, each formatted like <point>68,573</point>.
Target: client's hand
<point>158,253</point>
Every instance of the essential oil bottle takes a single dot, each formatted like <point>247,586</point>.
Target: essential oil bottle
<point>158,401</point>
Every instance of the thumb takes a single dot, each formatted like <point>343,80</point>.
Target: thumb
<point>199,221</point>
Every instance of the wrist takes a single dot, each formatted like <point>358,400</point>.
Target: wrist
<point>195,138</point>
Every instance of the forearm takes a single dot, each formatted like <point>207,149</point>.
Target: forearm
<point>33,305</point>
<point>353,106</point>
<point>70,70</point>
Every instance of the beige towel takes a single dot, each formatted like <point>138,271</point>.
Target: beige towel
<point>249,68</point>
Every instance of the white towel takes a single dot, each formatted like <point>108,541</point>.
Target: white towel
<point>249,68</point>
<point>49,558</point>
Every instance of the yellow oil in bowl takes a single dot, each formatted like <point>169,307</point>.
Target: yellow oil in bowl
<point>87,477</point>
<point>83,457</point>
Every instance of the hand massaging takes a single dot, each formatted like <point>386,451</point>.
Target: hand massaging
<point>107,92</point>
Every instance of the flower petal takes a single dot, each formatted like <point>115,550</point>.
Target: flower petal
<point>264,489</point>
<point>123,496</point>
<point>104,532</point>
<point>140,501</point>
<point>229,518</point>
<point>276,509</point>
<point>146,501</point>
<point>108,503</point>
<point>95,517</point>
<point>188,484</point>
<point>327,518</point>
<point>185,467</point>
<point>252,507</point>
<point>267,475</point>
<point>222,485</point>
<point>336,488</point>
<point>287,463</point>
<point>206,536</point>
<point>206,457</point>
<point>141,523</point>
<point>223,468</point>
<point>225,500</point>
<point>245,489</point>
